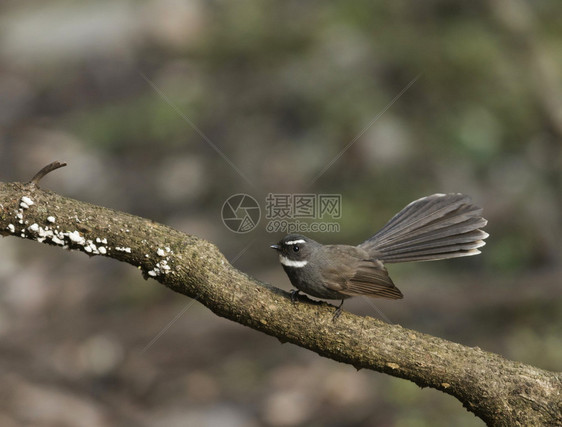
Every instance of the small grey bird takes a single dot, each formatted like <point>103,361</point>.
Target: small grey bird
<point>435,227</point>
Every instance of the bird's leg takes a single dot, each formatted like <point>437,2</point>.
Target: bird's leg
<point>338,311</point>
<point>294,295</point>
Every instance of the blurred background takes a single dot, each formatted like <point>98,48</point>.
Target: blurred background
<point>164,109</point>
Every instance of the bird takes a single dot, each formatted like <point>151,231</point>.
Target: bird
<point>435,227</point>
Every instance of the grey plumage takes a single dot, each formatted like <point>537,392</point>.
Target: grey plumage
<point>435,227</point>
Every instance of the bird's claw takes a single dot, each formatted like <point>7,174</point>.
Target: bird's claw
<point>294,295</point>
<point>338,312</point>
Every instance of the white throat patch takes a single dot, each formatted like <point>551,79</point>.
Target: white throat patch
<point>290,263</point>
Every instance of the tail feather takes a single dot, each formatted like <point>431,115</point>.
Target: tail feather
<point>435,227</point>
<point>420,212</point>
<point>434,232</point>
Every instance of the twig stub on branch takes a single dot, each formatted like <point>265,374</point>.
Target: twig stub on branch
<point>47,169</point>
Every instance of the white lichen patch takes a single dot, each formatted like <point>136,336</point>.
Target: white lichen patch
<point>160,252</point>
<point>52,233</point>
<point>57,241</point>
<point>26,202</point>
<point>63,238</point>
<point>161,267</point>
<point>75,237</point>
<point>40,233</point>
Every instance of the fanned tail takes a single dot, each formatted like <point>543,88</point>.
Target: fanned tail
<point>435,227</point>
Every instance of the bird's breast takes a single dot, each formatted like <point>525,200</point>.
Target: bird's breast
<point>309,281</point>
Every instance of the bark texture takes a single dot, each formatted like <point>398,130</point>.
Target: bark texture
<point>499,391</point>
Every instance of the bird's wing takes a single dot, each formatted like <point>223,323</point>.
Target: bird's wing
<point>371,279</point>
<point>356,275</point>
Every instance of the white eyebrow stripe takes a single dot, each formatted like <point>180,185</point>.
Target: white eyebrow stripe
<point>294,242</point>
<point>290,263</point>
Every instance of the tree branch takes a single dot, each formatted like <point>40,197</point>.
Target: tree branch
<point>499,391</point>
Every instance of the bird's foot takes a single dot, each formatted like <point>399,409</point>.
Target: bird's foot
<point>294,295</point>
<point>338,312</point>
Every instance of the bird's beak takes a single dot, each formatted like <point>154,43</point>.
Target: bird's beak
<point>276,247</point>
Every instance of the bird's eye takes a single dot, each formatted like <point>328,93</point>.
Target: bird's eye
<point>296,248</point>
